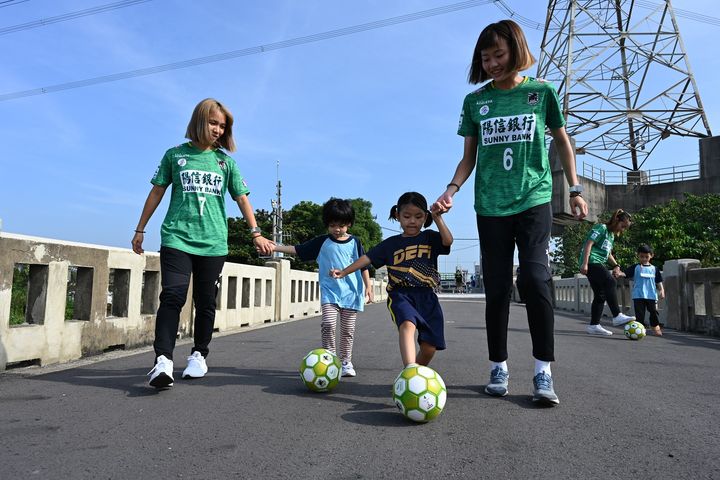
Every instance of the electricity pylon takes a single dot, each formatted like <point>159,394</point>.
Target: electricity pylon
<point>623,77</point>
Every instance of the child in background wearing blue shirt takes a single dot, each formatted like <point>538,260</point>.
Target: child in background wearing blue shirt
<point>647,286</point>
<point>341,299</point>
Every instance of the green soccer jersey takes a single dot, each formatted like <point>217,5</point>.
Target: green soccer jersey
<point>603,241</point>
<point>512,172</point>
<point>196,221</point>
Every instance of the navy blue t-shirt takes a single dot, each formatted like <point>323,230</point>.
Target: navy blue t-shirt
<point>411,261</point>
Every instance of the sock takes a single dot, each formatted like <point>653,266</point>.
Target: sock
<point>502,365</point>
<point>541,366</point>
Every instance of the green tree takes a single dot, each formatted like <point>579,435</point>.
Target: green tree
<point>686,228</point>
<point>240,245</point>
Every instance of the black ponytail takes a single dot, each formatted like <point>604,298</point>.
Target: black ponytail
<point>393,213</point>
<point>428,220</point>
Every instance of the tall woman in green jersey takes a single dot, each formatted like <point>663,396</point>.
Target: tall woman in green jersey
<point>194,233</point>
<point>503,123</point>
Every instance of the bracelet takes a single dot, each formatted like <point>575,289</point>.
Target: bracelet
<point>575,194</point>
<point>139,231</point>
<point>451,184</point>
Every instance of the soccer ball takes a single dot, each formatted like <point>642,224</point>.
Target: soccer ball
<point>634,330</point>
<point>419,393</point>
<point>320,370</point>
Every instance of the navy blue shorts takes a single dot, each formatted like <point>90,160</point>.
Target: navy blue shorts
<point>421,307</point>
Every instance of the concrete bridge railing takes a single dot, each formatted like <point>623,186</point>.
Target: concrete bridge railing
<point>692,297</point>
<point>87,299</point>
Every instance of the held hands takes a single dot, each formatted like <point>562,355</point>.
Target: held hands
<point>438,209</point>
<point>445,201</point>
<point>263,246</point>
<point>578,207</point>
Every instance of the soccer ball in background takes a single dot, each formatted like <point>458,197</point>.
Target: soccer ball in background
<point>634,330</point>
<point>320,370</point>
<point>419,393</point>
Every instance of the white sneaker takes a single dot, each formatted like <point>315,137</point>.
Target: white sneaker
<point>196,367</point>
<point>622,319</point>
<point>161,376</point>
<point>597,330</point>
<point>347,369</point>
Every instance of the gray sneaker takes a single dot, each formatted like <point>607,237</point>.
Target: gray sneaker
<point>498,386</point>
<point>543,393</point>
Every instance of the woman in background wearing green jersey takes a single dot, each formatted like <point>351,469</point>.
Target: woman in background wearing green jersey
<point>194,233</point>
<point>596,251</point>
<point>503,123</point>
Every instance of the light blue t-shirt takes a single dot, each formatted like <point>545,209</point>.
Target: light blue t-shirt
<point>645,279</point>
<point>347,292</point>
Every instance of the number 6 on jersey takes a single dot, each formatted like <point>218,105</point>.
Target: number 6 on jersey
<point>507,159</point>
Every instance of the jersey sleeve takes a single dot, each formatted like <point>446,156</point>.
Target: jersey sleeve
<point>310,250</point>
<point>359,250</point>
<point>436,242</point>
<point>467,127</point>
<point>378,255</point>
<point>163,174</point>
<point>553,116</point>
<point>235,181</point>
<point>658,276</point>
<point>630,272</point>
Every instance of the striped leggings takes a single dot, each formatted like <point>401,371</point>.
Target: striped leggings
<point>330,314</point>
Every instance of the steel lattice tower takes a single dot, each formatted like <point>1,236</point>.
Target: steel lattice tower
<point>623,77</point>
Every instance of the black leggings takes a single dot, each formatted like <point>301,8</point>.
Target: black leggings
<point>530,231</point>
<point>603,286</point>
<point>175,268</point>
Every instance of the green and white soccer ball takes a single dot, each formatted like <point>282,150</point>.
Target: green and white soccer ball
<point>634,330</point>
<point>419,393</point>
<point>320,370</point>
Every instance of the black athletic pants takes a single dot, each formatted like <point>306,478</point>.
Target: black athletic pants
<point>175,269</point>
<point>642,304</point>
<point>530,231</point>
<point>603,286</point>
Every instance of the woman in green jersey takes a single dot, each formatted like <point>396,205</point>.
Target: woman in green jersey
<point>595,253</point>
<point>504,123</point>
<point>194,232</point>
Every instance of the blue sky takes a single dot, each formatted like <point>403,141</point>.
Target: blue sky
<point>370,115</point>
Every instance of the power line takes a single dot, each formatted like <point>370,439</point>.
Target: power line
<point>10,3</point>
<point>411,17</point>
<point>69,16</point>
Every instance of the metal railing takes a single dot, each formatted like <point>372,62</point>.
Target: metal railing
<point>677,173</point>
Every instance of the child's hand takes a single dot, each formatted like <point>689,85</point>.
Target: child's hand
<point>437,209</point>
<point>336,273</point>
<point>369,296</point>
<point>263,246</point>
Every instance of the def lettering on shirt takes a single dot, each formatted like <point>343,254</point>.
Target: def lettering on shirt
<point>408,253</point>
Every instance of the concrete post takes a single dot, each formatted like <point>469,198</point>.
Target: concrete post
<point>282,288</point>
<point>675,314</point>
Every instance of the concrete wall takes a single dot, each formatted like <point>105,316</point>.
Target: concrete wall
<point>116,297</point>
<point>692,297</point>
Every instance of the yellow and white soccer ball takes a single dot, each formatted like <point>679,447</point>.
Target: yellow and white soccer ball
<point>320,370</point>
<point>634,330</point>
<point>419,393</point>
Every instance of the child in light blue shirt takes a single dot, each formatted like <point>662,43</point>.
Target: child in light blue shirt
<point>343,298</point>
<point>647,286</point>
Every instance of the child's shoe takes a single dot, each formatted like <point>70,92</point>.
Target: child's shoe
<point>498,386</point>
<point>622,319</point>
<point>347,369</point>
<point>543,392</point>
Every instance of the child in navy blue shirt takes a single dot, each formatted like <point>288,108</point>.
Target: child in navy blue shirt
<point>411,260</point>
<point>647,286</point>
<point>337,299</point>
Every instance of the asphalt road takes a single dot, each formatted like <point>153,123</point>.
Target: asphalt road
<point>647,409</point>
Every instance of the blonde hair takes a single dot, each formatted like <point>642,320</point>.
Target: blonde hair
<point>520,56</point>
<point>198,129</point>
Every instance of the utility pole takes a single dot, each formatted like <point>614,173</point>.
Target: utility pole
<point>277,214</point>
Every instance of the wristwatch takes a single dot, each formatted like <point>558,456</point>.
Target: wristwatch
<point>576,190</point>
<point>255,230</point>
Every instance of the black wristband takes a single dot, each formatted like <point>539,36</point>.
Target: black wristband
<point>139,231</point>
<point>453,185</point>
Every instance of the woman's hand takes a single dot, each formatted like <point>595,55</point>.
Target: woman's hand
<point>263,246</point>
<point>137,242</point>
<point>584,268</point>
